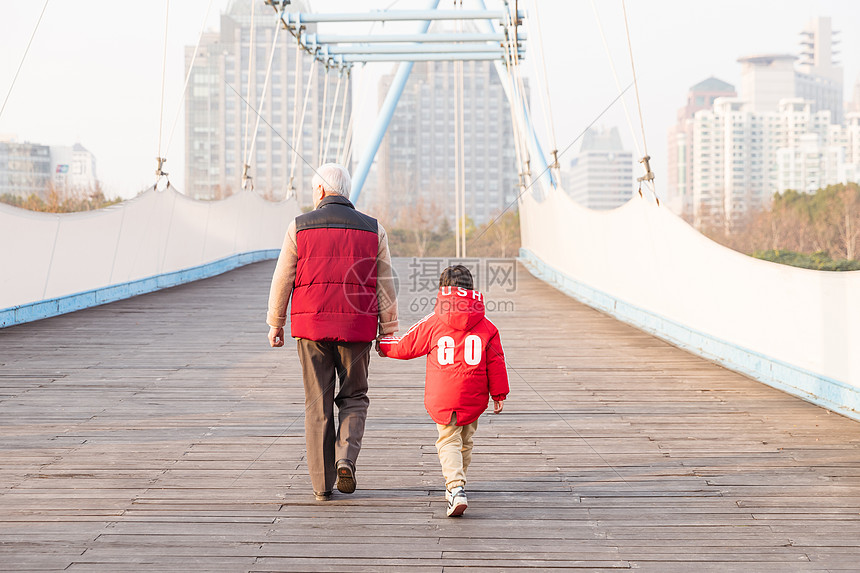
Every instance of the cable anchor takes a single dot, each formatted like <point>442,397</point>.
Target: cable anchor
<point>159,172</point>
<point>291,190</point>
<point>649,175</point>
<point>247,180</point>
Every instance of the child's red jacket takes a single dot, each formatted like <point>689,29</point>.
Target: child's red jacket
<point>465,360</point>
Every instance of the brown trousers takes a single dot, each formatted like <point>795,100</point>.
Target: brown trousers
<point>324,363</point>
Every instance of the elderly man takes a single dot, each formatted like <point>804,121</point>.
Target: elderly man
<point>336,266</point>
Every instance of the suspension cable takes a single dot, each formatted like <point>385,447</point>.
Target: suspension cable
<point>342,115</point>
<point>298,133</point>
<point>321,129</point>
<point>331,119</point>
<point>513,104</point>
<point>523,108</point>
<point>24,57</point>
<point>298,72</point>
<point>514,121</point>
<point>347,149</point>
<point>648,175</point>
<point>159,172</point>
<point>187,78</point>
<point>275,35</point>
<point>635,82</point>
<point>252,51</point>
<point>345,155</point>
<point>615,75</point>
<point>462,95</point>
<point>548,116</point>
<point>457,87</point>
<point>648,178</point>
<point>521,89</point>
<point>458,212</point>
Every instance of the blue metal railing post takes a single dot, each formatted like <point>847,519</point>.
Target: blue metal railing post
<point>384,118</point>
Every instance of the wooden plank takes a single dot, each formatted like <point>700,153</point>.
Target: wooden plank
<point>161,433</point>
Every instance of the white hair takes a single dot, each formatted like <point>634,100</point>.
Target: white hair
<point>334,179</point>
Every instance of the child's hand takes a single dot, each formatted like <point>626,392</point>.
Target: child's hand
<point>497,406</point>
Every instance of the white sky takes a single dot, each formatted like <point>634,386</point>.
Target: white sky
<point>93,74</point>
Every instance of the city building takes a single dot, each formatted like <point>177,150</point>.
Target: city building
<point>217,118</point>
<point>819,77</point>
<point>601,175</point>
<point>417,155</point>
<point>852,139</point>
<point>742,157</point>
<point>34,169</point>
<point>809,165</point>
<point>854,105</point>
<point>679,177</point>
<point>766,79</point>
<point>73,169</point>
<point>25,168</point>
<point>814,75</point>
<point>728,155</point>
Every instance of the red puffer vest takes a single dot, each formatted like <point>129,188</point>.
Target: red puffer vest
<point>465,360</point>
<point>334,294</point>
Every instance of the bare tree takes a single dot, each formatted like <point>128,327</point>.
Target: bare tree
<point>421,220</point>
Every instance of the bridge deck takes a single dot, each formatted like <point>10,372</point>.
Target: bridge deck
<point>161,433</point>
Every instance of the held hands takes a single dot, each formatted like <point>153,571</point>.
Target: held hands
<point>276,336</point>
<point>497,406</point>
<point>377,347</point>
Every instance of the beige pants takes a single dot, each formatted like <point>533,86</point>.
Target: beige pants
<point>455,450</point>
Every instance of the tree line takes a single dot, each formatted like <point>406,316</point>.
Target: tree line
<point>818,230</point>
<point>53,201</point>
<point>420,230</point>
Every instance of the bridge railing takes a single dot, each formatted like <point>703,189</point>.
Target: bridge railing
<point>795,329</point>
<point>56,263</point>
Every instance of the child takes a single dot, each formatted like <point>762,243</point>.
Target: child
<point>465,365</point>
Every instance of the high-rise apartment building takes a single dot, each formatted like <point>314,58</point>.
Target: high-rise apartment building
<point>854,105</point>
<point>766,79</point>
<point>416,159</point>
<point>819,76</point>
<point>814,76</point>
<point>679,179</point>
<point>601,175</point>
<point>217,119</point>
<point>852,140</point>
<point>786,131</point>
<point>742,156</point>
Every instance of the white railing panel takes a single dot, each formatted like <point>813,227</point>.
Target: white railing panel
<point>85,243</point>
<point>26,244</point>
<point>647,257</point>
<point>54,256</point>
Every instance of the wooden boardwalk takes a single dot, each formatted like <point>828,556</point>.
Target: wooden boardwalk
<point>162,433</point>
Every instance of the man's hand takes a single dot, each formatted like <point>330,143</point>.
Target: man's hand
<point>497,406</point>
<point>276,336</point>
<point>377,347</point>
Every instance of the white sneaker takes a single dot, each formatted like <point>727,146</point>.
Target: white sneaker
<point>457,502</point>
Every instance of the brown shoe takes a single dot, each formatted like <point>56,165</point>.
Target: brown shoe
<point>322,495</point>
<point>345,476</point>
